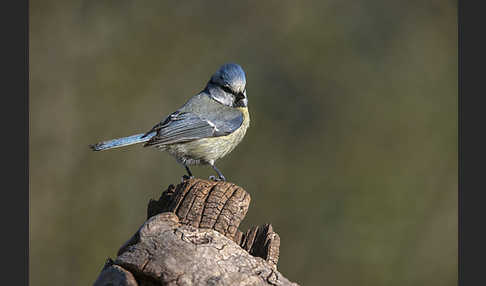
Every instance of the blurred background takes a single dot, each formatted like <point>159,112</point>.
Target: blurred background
<point>351,153</point>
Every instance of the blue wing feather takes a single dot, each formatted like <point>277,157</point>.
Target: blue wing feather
<point>186,127</point>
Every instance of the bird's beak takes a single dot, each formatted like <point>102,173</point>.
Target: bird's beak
<point>245,101</point>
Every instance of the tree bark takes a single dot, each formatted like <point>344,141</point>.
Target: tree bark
<point>191,237</point>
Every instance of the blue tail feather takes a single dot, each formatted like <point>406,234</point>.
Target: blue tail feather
<point>120,142</point>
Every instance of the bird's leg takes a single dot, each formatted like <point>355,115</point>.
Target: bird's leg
<point>220,175</point>
<point>185,177</point>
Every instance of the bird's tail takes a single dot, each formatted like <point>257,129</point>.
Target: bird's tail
<point>120,142</point>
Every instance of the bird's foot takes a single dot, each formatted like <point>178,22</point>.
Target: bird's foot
<point>217,179</point>
<point>186,177</point>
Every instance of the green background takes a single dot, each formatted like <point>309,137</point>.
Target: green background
<point>351,153</point>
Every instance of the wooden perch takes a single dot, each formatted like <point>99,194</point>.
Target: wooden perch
<point>191,237</point>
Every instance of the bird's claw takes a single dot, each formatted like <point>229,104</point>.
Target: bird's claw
<point>186,177</point>
<point>217,179</point>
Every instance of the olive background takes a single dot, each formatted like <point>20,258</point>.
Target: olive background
<point>351,153</point>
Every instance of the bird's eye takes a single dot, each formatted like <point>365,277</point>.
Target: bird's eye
<point>227,89</point>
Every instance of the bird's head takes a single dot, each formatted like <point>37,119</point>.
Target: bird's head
<point>228,86</point>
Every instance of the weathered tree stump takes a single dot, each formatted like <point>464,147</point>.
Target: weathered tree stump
<point>191,237</point>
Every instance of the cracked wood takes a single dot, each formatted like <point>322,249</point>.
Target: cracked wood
<point>191,237</point>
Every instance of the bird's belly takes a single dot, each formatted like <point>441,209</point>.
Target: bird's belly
<point>208,150</point>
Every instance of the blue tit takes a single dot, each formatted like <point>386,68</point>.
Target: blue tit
<point>206,128</point>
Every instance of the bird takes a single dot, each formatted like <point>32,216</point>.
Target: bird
<point>204,129</point>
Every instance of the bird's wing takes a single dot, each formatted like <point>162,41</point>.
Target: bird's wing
<point>182,127</point>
